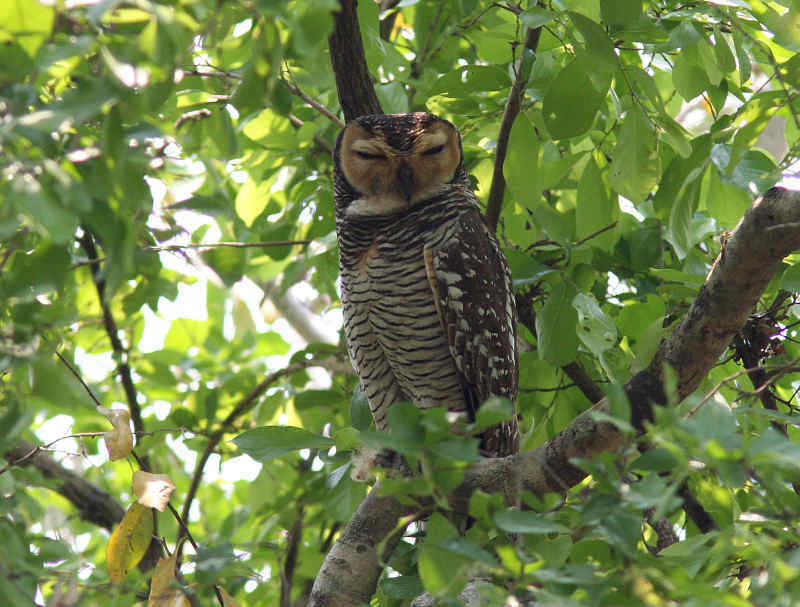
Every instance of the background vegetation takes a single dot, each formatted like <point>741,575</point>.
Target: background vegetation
<point>166,231</point>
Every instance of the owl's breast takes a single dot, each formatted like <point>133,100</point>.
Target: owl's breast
<point>394,333</point>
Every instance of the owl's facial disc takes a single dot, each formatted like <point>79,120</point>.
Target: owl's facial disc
<point>393,178</point>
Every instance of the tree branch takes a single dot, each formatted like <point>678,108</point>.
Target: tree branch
<point>298,92</point>
<point>741,272</point>
<point>353,81</point>
<point>513,104</point>
<point>244,405</point>
<point>350,572</point>
<point>112,330</point>
<point>94,505</point>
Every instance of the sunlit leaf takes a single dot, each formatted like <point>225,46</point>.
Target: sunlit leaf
<point>129,542</point>
<point>268,442</point>
<point>516,521</point>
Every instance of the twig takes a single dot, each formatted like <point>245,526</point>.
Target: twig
<point>294,540</point>
<point>234,245</point>
<point>498,189</point>
<point>782,370</point>
<point>49,446</point>
<point>244,405</point>
<point>597,233</point>
<point>79,378</point>
<point>318,139</point>
<point>112,330</point>
<point>296,91</point>
<point>93,504</point>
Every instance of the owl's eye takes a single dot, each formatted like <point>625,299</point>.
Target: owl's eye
<point>434,150</point>
<point>368,156</point>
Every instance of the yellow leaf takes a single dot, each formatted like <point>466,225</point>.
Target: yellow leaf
<point>129,542</point>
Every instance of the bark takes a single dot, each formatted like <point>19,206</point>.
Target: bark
<point>349,574</point>
<point>94,505</point>
<point>356,92</point>
<point>768,232</point>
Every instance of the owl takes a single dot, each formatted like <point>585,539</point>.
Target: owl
<point>426,291</point>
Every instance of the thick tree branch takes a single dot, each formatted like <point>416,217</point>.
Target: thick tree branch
<point>353,81</point>
<point>768,232</point>
<point>302,320</point>
<point>349,574</point>
<point>94,505</point>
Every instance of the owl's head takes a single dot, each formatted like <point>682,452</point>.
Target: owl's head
<point>387,163</point>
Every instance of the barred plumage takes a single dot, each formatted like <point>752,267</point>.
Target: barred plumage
<point>428,302</point>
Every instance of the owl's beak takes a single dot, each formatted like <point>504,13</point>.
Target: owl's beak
<point>405,181</point>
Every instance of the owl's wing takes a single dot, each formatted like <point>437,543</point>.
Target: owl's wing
<point>472,288</point>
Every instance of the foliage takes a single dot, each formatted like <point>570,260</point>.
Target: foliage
<point>127,128</point>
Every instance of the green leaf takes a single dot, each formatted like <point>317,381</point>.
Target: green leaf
<point>308,399</point>
<point>268,442</point>
<point>14,420</point>
<point>458,449</point>
<point>790,280</point>
<point>522,167</point>
<point>495,410</point>
<point>658,459</point>
<point>636,316</point>
<point>742,56</point>
<point>595,209</point>
<point>620,12</point>
<point>536,16</point>
<point>526,269</point>
<point>251,201</point>
<point>343,499</point>
<point>675,135</point>
<point>689,79</point>
<point>598,46</point>
<point>469,79</point>
<point>360,413</point>
<point>715,421</point>
<point>636,165</point>
<point>725,201</point>
<point>722,52</point>
<point>516,521</point>
<point>596,330</point>
<point>403,587</point>
<point>574,97</point>
<point>28,22</point>
<point>556,326</point>
<point>443,561</point>
<point>228,262</point>
<point>785,26</point>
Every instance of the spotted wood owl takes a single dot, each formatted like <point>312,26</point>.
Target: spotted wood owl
<point>428,303</point>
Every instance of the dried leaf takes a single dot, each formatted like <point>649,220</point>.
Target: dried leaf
<point>152,490</point>
<point>163,589</point>
<point>227,599</point>
<point>129,542</point>
<point>119,441</point>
